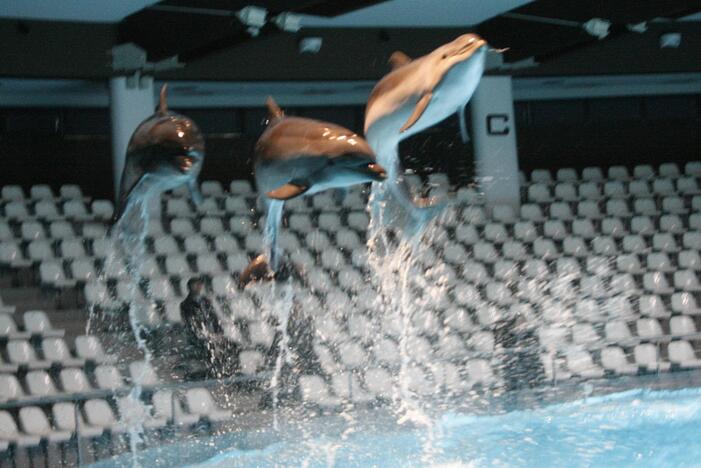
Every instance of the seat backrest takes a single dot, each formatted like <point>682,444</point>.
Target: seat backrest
<point>682,325</point>
<point>74,380</point>
<point>10,388</point>
<point>40,383</point>
<point>199,401</point>
<point>144,373</point>
<point>108,377</point>
<point>98,413</point>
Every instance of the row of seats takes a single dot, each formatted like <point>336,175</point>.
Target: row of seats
<point>77,210</point>
<point>93,418</point>
<point>40,192</point>
<point>571,192</point>
<point>620,173</point>
<point>34,323</point>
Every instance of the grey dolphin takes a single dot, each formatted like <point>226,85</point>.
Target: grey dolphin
<point>298,156</point>
<point>165,151</point>
<point>416,95</point>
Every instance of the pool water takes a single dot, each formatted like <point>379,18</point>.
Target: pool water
<point>631,428</point>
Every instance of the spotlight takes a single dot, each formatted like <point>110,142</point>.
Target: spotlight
<point>253,17</point>
<point>670,40</point>
<point>597,27</point>
<point>288,22</point>
<point>310,45</point>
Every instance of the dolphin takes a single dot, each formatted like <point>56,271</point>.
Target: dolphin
<point>416,95</point>
<point>165,151</point>
<point>297,156</point>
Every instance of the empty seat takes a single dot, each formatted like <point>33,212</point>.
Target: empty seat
<point>485,252</point>
<point>531,212</point>
<point>555,229</point>
<point>588,210</point>
<point>541,176</point>
<point>20,352</point>
<point>474,215</point>
<point>634,244</point>
<point>524,231</point>
<point>261,333</point>
<point>682,353</point>
<point>663,186</point>
<point>685,303</point>
<point>40,384</point>
<point>686,280</point>
<point>143,373</point>
<point>46,209</point>
<point>590,191</point>
<point>575,247</point>
<point>629,264</point>
<point>581,363</point>
<point>10,433</point>
<point>250,362</point>
<point>642,225</point>
<point>639,188</point>
<point>181,226</point>
<point>566,192</point>
<point>583,228</point>
<point>617,208</point>
<point>466,234</point>
<point>99,414</point>
<point>10,388</point>
<point>647,356</point>
<point>672,223</point>
<point>651,305</point>
<point>584,334</point>
<point>613,227</point>
<point>196,244</point>
<point>682,325</point>
<point>604,246</point>
<point>545,249</point>
<point>108,377</point>
<point>649,328</point>
<point>200,402</point>
<point>539,193</point>
<point>56,350</point>
<point>74,381</point>
<point>561,211</point>
<point>614,359</point>
<point>617,331</point>
<point>688,185</point>
<point>314,390</point>
<point>102,209</point>
<point>615,189</point>
<point>495,232</point>
<point>689,260</point>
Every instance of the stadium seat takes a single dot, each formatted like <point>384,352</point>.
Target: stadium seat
<point>613,227</point>
<point>10,433</point>
<point>692,240</point>
<point>76,210</point>
<point>639,188</point>
<point>10,388</point>
<point>590,191</point>
<point>685,303</point>
<point>102,209</point>
<point>74,381</point>
<point>251,362</point>
<point>181,227</point>
<point>52,274</point>
<point>642,225</point>
<point>682,325</point>
<point>649,328</point>
<point>634,243</point>
<point>592,174</point>
<point>143,373</point>
<point>40,384</point>
<point>83,270</point>
<point>314,390</point>
<point>545,249</point>
<point>651,305</point>
<point>554,229</point>
<point>581,363</point>
<point>692,168</point>
<point>663,186</point>
<point>588,210</point>
<point>647,356</point>
<point>64,416</point>
<point>108,377</point>
<point>261,333</point>
<point>225,243</point>
<point>46,209</point>
<point>672,223</point>
<point>165,245</point>
<point>682,353</point>
<point>539,193</point>
<point>669,170</point>
<point>575,247</point>
<point>474,215</point>
<point>200,402</point>
<point>196,244</point>
<point>688,186</point>
<point>614,359</point>
<point>686,280</point>
<point>495,233</point>
<point>617,208</point>
<point>664,242</point>
<point>541,176</point>
<point>617,331</point>
<point>254,242</point>
<point>561,211</point>
<point>57,351</point>
<point>629,264</point>
<point>99,415</point>
<point>614,189</point>
<point>240,225</point>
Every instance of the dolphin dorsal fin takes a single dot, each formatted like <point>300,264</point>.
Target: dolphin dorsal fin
<point>398,59</point>
<point>274,111</point>
<point>163,100</point>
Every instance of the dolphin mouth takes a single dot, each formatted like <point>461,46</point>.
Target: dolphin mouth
<point>471,48</point>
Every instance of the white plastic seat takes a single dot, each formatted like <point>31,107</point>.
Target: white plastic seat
<point>539,193</point>
<point>76,209</point>
<point>39,250</point>
<point>108,377</point>
<point>561,211</point>
<point>196,244</point>
<point>40,384</point>
<point>590,191</point>
<point>568,268</point>
<point>169,408</point>
<point>614,189</point>
<point>314,390</point>
<point>634,243</point>
<point>143,373</point>
<point>693,168</point>
<point>524,231</point>
<point>617,331</point>
<point>689,260</point>
<point>645,206</point>
<point>251,362</point>
<point>574,246</point>
<point>613,227</point>
<point>663,186</point>
<point>466,234</point>
<point>686,280</point>
<point>639,188</point>
<point>498,293</point>
<point>531,212</point>
<point>474,215</point>
<point>165,245</point>
<point>37,322</point>
<point>261,333</point>
<point>99,414</point>
<point>656,283</point>
<point>617,208</point>
<point>566,192</point>
<point>31,230</point>
<point>74,381</point>
<point>181,226</point>
<point>588,210</point>
<point>647,356</point>
<point>664,242</point>
<point>545,249</point>
<point>56,350</point>
<point>46,209</point>
<point>10,388</point>
<point>592,174</point>
<point>659,261</point>
<point>208,264</point>
<point>200,402</point>
<point>581,363</point>
<point>9,433</point>
<point>541,176</point>
<point>495,232</point>
<point>52,274</point>
<point>72,248</point>
<point>504,214</point>
<point>672,224</point>
<point>682,325</point>
<point>102,209</point>
<point>688,186</point>
<point>673,205</point>
<point>584,334</point>
<point>649,328</point>
<point>211,226</point>
<point>12,192</point>
<point>685,303</point>
<point>352,355</point>
<point>60,230</point>
<point>555,229</point>
<point>682,353</point>
<point>614,359</point>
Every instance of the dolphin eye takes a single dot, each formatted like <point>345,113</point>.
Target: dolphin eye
<point>445,56</point>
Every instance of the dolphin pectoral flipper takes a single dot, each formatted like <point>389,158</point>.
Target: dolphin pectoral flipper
<point>195,191</point>
<point>291,189</point>
<point>398,59</point>
<point>418,112</point>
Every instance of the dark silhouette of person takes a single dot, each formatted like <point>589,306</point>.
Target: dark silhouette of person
<point>205,333</point>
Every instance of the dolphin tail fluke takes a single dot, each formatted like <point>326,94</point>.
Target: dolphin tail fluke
<point>163,100</point>
<point>195,192</point>
<point>287,191</point>
<point>274,111</point>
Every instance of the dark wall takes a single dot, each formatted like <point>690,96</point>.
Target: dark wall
<point>59,146</point>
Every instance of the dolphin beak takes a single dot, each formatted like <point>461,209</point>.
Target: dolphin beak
<point>378,173</point>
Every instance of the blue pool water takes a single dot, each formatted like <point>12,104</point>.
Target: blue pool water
<point>631,428</point>
<point>641,428</point>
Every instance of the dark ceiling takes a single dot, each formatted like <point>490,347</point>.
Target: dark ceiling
<point>214,44</point>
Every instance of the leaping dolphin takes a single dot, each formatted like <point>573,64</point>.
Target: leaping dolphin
<point>298,156</point>
<point>165,151</point>
<point>416,95</point>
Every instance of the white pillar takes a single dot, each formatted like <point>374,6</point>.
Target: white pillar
<point>494,140</point>
<point>132,100</point>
